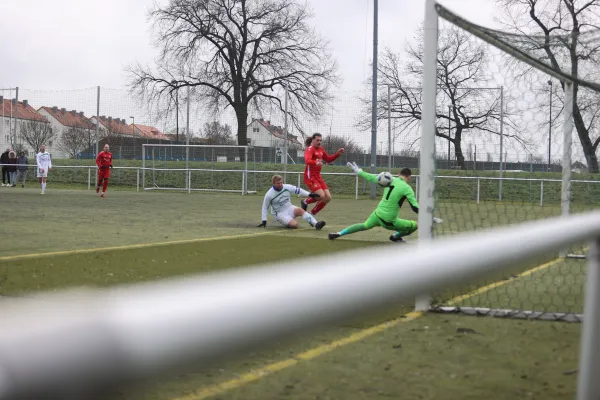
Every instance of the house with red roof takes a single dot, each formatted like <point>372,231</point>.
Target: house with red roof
<point>63,120</point>
<point>110,126</point>
<point>150,132</point>
<point>14,117</point>
<point>262,133</point>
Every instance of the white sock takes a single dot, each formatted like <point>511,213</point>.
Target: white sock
<point>309,218</point>
<point>43,187</point>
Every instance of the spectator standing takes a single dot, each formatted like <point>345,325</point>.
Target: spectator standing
<point>12,168</point>
<point>22,168</point>
<point>4,161</point>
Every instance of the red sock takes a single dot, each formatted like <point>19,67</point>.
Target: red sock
<point>105,185</point>
<point>310,200</point>
<point>318,207</point>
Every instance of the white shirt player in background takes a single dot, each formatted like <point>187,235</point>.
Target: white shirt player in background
<point>278,200</point>
<point>44,164</point>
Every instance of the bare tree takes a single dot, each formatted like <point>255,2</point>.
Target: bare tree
<point>36,133</point>
<point>333,143</point>
<point>236,53</point>
<point>461,78</point>
<point>216,133</point>
<point>542,23</point>
<point>73,141</point>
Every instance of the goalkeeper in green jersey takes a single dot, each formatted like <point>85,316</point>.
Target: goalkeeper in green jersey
<point>386,213</point>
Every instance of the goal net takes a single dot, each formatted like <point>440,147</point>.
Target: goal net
<point>501,104</point>
<point>215,168</point>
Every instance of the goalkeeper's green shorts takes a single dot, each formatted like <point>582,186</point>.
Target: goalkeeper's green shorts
<point>403,226</point>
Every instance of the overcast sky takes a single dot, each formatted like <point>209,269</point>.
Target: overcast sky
<point>53,49</point>
<point>75,44</point>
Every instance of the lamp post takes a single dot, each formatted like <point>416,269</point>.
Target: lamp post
<point>449,131</point>
<point>550,126</point>
<point>174,83</point>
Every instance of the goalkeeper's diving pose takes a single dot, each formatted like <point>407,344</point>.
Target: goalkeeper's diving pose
<point>386,213</point>
<point>277,199</point>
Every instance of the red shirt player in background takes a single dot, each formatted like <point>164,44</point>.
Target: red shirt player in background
<point>104,163</point>
<point>314,157</point>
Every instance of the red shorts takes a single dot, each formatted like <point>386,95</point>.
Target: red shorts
<point>315,183</point>
<point>103,173</point>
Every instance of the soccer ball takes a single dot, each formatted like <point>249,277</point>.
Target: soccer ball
<point>384,179</point>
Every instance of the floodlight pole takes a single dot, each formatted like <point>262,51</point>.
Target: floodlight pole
<point>501,140</point>
<point>285,134</point>
<point>97,121</point>
<point>567,143</point>
<point>187,141</point>
<point>449,131</point>
<point>389,99</point>
<point>374,100</point>
<point>550,128</point>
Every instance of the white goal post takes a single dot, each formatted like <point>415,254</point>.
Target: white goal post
<point>192,167</point>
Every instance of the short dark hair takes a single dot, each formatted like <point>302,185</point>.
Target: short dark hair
<point>406,172</point>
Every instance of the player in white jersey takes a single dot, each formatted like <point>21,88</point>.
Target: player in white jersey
<point>44,164</point>
<point>278,200</point>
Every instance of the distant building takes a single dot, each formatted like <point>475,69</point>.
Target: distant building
<point>114,127</point>
<point>262,134</point>
<point>578,167</point>
<point>63,120</point>
<point>13,119</point>
<point>150,132</point>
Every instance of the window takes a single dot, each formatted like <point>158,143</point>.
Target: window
<point>255,129</point>
<point>7,138</point>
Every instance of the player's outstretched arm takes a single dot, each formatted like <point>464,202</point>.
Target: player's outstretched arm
<point>365,175</point>
<point>412,200</point>
<point>299,191</point>
<point>265,209</point>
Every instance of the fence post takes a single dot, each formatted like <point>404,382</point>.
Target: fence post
<point>356,194</point>
<point>542,194</point>
<point>189,183</point>
<point>89,178</point>
<point>298,179</point>
<point>137,180</point>
<point>243,181</point>
<point>588,384</point>
<point>478,189</point>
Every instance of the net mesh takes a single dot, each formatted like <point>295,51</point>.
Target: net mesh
<point>509,169</point>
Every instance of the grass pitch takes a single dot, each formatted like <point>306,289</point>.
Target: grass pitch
<point>169,234</point>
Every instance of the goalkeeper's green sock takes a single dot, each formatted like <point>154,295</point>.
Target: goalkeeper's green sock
<point>353,229</point>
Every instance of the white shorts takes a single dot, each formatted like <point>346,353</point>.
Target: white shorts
<point>285,215</point>
<point>41,174</point>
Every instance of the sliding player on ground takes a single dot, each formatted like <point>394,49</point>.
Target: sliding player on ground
<point>386,213</point>
<point>104,163</point>
<point>277,199</point>
<point>314,156</point>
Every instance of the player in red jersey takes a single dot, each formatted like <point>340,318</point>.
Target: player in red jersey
<point>104,162</point>
<point>314,157</point>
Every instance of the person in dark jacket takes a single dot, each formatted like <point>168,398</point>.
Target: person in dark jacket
<point>4,161</point>
<point>12,168</point>
<point>22,168</point>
